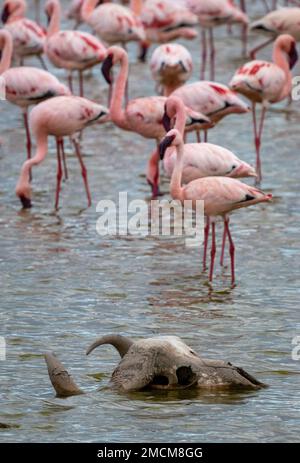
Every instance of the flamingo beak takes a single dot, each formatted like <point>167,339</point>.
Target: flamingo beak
<point>26,202</point>
<point>164,145</point>
<point>293,56</point>
<point>5,14</point>
<point>106,69</point>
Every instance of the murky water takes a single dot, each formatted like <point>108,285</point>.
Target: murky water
<point>62,286</point>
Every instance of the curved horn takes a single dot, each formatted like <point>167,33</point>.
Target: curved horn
<point>121,343</point>
<point>61,380</point>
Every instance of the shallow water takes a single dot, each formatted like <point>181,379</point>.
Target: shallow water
<point>62,286</point>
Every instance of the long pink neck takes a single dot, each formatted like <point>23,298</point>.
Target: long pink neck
<point>136,6</point>
<point>19,13</point>
<point>88,8</point>
<point>42,149</point>
<point>117,112</point>
<point>280,59</point>
<point>54,25</point>
<point>6,53</point>
<point>180,118</point>
<point>176,189</point>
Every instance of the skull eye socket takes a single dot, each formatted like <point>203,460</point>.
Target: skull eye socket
<point>185,376</point>
<point>160,380</point>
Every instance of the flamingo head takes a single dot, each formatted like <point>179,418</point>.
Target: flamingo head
<point>114,55</point>
<point>287,44</point>
<point>15,8</point>
<point>5,13</point>
<point>49,7</point>
<point>173,138</point>
<point>24,194</point>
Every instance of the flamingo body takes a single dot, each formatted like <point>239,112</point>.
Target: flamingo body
<point>281,21</point>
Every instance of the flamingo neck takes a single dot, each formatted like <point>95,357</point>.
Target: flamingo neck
<point>42,149</point>
<point>176,189</point>
<point>180,119</point>
<point>18,13</point>
<point>280,59</point>
<point>6,53</point>
<point>88,8</point>
<point>136,6</point>
<point>54,25</point>
<point>117,112</point>
<point>170,88</point>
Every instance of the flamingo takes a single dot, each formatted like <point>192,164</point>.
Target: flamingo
<point>201,159</point>
<point>26,86</point>
<point>142,115</point>
<point>164,21</point>
<point>267,83</point>
<point>71,50</point>
<point>60,116</point>
<point>28,36</point>
<point>221,196</point>
<point>282,21</point>
<point>213,99</point>
<point>74,12</point>
<point>213,13</point>
<point>171,66</point>
<point>113,23</point>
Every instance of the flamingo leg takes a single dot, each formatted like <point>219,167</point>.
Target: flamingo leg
<point>64,160</point>
<point>204,54</point>
<point>205,136</point>
<point>260,47</point>
<point>257,138</point>
<point>231,251</point>
<point>28,138</point>
<point>213,251</point>
<point>212,54</point>
<point>198,136</point>
<point>81,91</point>
<point>223,245</point>
<point>206,235</point>
<point>83,171</point>
<point>153,173</point>
<point>70,81</point>
<point>59,174</point>
<point>42,61</point>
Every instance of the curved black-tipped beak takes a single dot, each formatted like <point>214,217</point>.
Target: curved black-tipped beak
<point>164,145</point>
<point>106,69</point>
<point>5,14</point>
<point>293,56</point>
<point>26,202</point>
<point>48,16</point>
<point>166,122</point>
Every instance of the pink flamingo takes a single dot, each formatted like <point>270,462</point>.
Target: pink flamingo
<point>267,82</point>
<point>221,196</point>
<point>213,13</point>
<point>113,23</point>
<point>28,36</point>
<point>142,115</point>
<point>201,159</point>
<point>164,21</point>
<point>282,21</point>
<point>74,12</point>
<point>171,66</point>
<point>71,50</point>
<point>60,116</point>
<point>213,99</point>
<point>26,86</point>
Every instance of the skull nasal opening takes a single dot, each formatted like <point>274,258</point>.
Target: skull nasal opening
<point>160,380</point>
<point>185,376</point>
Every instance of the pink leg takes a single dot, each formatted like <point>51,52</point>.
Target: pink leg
<point>59,174</point>
<point>81,91</point>
<point>223,245</point>
<point>231,251</point>
<point>28,138</point>
<point>83,171</point>
<point>42,61</point>
<point>213,251</point>
<point>205,136</point>
<point>206,235</point>
<point>212,54</point>
<point>70,81</point>
<point>257,140</point>
<point>198,136</point>
<point>64,160</point>
<point>204,54</point>
<point>260,47</point>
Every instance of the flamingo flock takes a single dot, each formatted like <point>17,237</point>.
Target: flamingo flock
<point>182,104</point>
